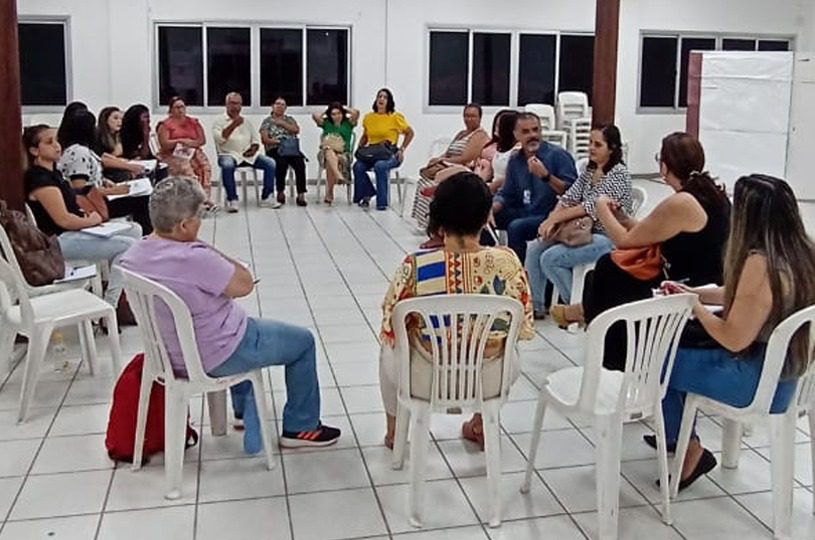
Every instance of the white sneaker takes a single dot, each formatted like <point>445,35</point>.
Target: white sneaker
<point>232,207</point>
<point>270,202</point>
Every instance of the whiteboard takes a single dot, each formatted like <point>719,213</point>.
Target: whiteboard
<point>802,128</point>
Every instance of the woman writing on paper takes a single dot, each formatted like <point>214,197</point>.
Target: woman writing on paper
<point>109,146</point>
<point>53,203</point>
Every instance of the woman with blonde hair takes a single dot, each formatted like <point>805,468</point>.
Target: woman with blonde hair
<point>769,273</point>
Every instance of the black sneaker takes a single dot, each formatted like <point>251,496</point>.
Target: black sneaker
<point>322,436</point>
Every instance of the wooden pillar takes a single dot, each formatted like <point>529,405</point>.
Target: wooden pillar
<point>606,31</point>
<point>11,167</point>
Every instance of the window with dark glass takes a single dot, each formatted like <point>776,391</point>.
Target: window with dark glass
<point>327,66</point>
<point>688,45</point>
<point>181,64</point>
<point>228,64</point>
<point>658,72</point>
<point>449,63</point>
<point>773,45</point>
<point>738,44</point>
<point>536,69</point>
<point>576,68</point>
<point>42,63</point>
<point>491,60</point>
<point>281,65</point>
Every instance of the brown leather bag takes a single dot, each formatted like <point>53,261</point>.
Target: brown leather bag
<point>39,256</point>
<point>643,263</point>
<point>94,201</point>
<point>575,232</point>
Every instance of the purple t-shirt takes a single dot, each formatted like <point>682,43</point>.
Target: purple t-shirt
<point>199,275</point>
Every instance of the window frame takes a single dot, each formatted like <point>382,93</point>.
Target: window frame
<point>65,21</point>
<point>719,38</point>
<point>514,66</point>
<point>254,108</point>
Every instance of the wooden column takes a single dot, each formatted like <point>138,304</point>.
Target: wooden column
<point>606,31</point>
<point>11,167</point>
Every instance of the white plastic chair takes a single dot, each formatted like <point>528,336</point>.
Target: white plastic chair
<point>571,105</point>
<point>36,317</point>
<point>559,138</point>
<point>805,405</point>
<point>639,198</point>
<point>613,398</point>
<point>242,177</point>
<point>143,295</point>
<point>457,361</point>
<point>579,137</point>
<point>349,182</point>
<point>782,431</point>
<point>545,112</point>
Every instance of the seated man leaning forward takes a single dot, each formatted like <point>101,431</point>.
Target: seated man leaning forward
<point>237,143</point>
<point>229,342</point>
<point>458,213</point>
<point>536,175</point>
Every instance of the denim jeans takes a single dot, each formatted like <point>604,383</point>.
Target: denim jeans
<point>273,343</point>
<point>364,189</point>
<point>79,246</point>
<point>554,262</point>
<point>228,166</point>
<point>718,374</point>
<point>520,227</point>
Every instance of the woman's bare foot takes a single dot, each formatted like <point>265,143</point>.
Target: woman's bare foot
<point>473,430</point>
<point>390,432</point>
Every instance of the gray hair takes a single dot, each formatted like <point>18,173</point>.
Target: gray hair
<point>233,94</point>
<point>173,200</point>
<point>526,115</point>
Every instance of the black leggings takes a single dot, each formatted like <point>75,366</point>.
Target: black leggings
<point>298,163</point>
<point>135,207</point>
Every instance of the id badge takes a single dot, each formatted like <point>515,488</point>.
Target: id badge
<point>527,197</point>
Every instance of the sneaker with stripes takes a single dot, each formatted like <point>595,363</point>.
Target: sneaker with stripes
<point>322,436</point>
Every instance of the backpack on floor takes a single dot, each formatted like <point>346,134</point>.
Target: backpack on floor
<point>121,435</point>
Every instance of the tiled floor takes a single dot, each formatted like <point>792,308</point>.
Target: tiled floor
<point>328,269</point>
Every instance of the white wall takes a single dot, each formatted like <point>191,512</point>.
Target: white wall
<point>112,47</point>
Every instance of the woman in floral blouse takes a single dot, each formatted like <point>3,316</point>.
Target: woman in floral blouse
<point>458,212</point>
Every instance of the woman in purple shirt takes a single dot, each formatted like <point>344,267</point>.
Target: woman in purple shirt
<point>229,342</point>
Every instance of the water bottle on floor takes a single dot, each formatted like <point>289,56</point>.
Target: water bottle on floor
<point>60,352</point>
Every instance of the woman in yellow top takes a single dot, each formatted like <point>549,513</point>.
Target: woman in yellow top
<point>379,150</point>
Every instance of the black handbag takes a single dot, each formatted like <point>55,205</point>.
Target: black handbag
<point>376,152</point>
<point>289,147</point>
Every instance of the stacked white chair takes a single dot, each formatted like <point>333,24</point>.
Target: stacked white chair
<point>462,327</point>
<point>545,112</point>
<point>612,398</point>
<point>571,105</point>
<point>559,138</point>
<point>782,425</point>
<point>37,317</point>
<point>579,137</point>
<point>143,295</point>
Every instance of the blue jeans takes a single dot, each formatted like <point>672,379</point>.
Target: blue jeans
<point>79,246</point>
<point>273,343</point>
<point>554,262</point>
<point>228,166</point>
<point>364,189</point>
<point>520,227</point>
<point>721,375</point>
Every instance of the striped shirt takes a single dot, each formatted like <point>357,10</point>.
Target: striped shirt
<point>615,184</point>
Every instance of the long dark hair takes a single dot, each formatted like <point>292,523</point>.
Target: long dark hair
<point>614,141</point>
<point>684,157</point>
<point>505,120</point>
<point>335,106</point>
<point>391,106</point>
<point>79,128</point>
<point>766,219</point>
<point>70,110</point>
<point>105,140</point>
<point>132,134</point>
<point>31,139</point>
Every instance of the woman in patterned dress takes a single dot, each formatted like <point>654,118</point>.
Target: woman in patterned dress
<point>459,211</point>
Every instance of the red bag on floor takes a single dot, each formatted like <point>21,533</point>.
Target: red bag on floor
<point>121,435</point>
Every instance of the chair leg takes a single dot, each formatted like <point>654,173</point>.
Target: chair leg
<point>662,459</point>
<point>811,415</point>
<point>782,461</point>
<point>257,187</point>
<point>608,432</point>
<point>540,412</point>
<point>731,443</point>
<point>113,339</point>
<point>216,402</point>
<point>400,436</point>
<point>175,433</point>
<point>492,448</point>
<point>419,443</point>
<point>682,442</point>
<point>37,347</point>
<point>7,335</point>
<point>319,183</point>
<point>88,344</point>
<point>145,390</point>
<point>262,406</point>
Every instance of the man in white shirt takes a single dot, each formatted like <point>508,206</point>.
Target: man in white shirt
<point>237,143</point>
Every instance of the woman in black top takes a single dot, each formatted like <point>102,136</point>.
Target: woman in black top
<point>691,226</point>
<point>53,203</point>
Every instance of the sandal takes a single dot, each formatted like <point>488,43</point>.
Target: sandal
<point>558,313</point>
<point>473,430</point>
<point>389,442</point>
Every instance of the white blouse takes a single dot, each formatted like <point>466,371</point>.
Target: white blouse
<point>79,160</point>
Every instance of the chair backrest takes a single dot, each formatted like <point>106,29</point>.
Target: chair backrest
<point>638,199</point>
<point>653,327</point>
<point>571,105</point>
<point>559,138</point>
<point>13,292</point>
<point>142,295</point>
<point>545,112</point>
<point>460,325</point>
<point>581,165</point>
<point>7,253</point>
<point>775,357</point>
<point>580,137</point>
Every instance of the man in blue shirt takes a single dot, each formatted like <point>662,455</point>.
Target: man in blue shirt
<point>536,175</point>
